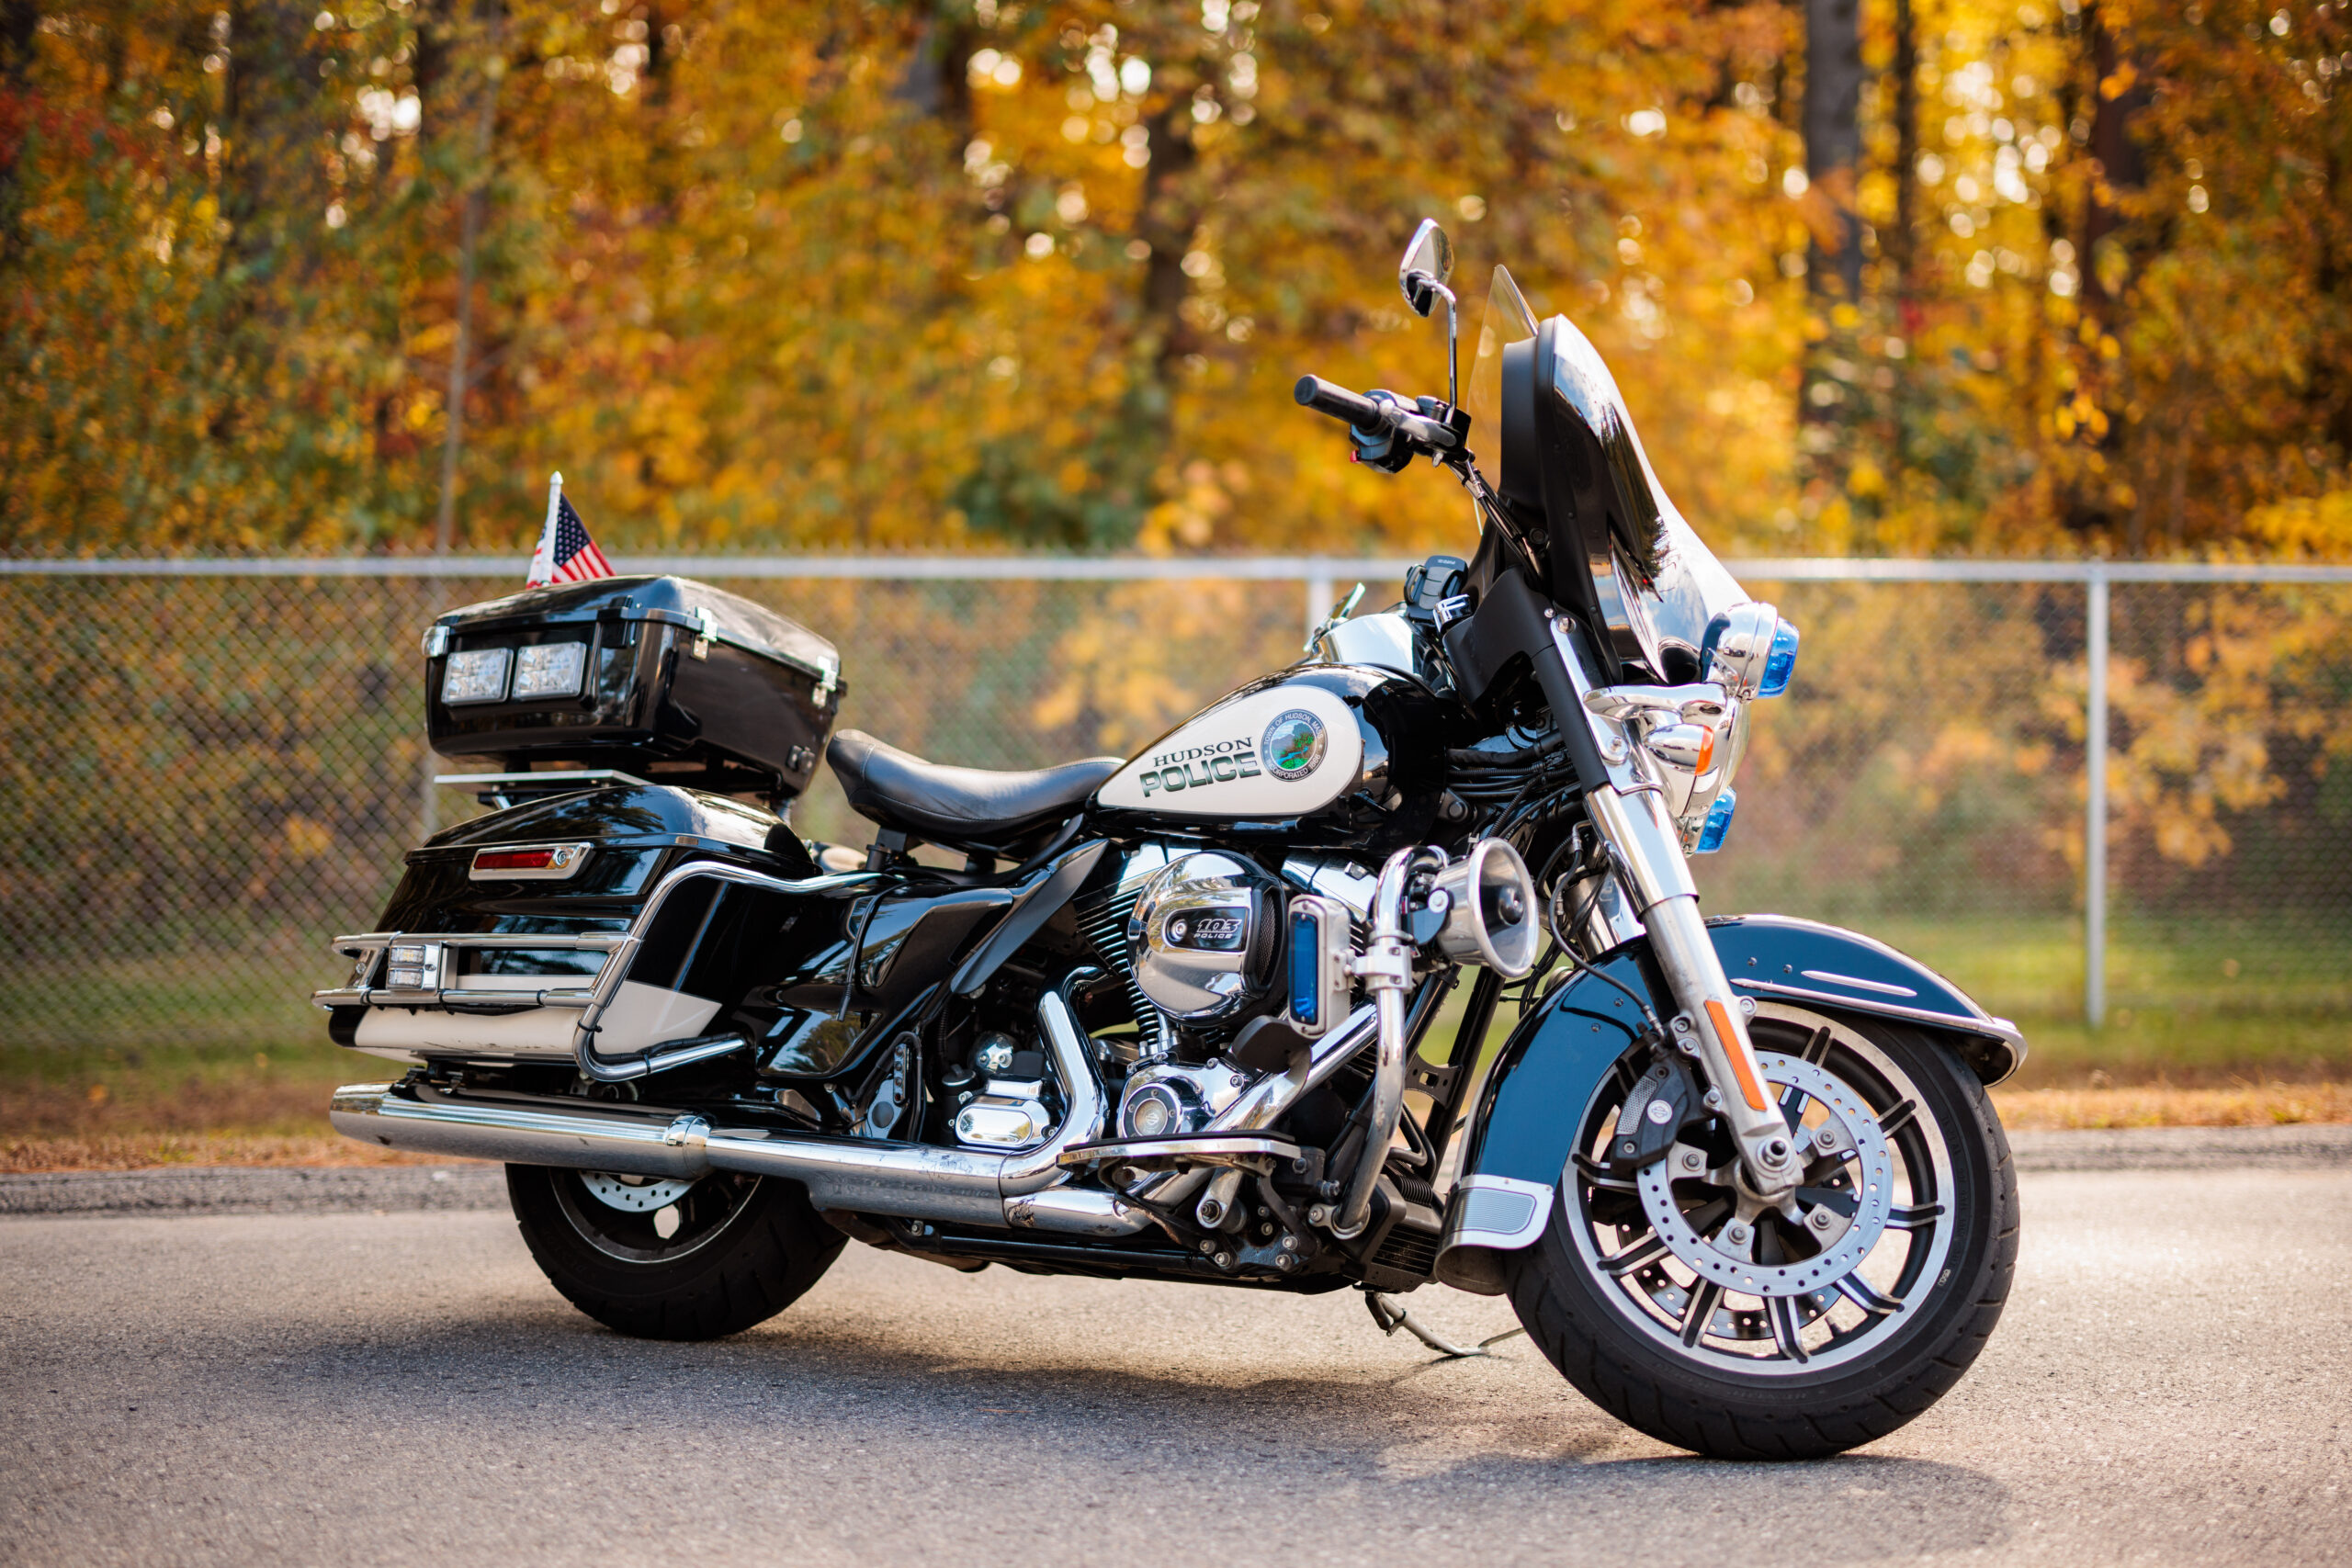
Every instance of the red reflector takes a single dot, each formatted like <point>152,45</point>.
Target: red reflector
<point>515,860</point>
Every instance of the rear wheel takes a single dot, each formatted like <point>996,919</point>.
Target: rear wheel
<point>672,1260</point>
<point>1687,1307</point>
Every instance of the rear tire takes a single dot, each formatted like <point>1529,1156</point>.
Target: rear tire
<point>1734,1390</point>
<point>739,1249</point>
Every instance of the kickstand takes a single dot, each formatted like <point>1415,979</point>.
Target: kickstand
<point>1390,1313</point>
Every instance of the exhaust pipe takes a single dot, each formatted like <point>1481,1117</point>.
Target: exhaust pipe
<point>866,1176</point>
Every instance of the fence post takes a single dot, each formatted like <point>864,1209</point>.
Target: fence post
<point>1319,592</point>
<point>2094,806</point>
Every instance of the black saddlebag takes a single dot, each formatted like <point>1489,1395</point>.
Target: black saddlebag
<point>668,679</point>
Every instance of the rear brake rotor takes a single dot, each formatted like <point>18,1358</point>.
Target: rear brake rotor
<point>633,1194</point>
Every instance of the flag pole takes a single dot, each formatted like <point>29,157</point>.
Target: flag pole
<point>542,568</point>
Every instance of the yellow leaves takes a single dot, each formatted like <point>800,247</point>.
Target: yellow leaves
<point>2314,528</point>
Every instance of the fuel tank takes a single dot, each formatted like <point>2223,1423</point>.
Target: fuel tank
<point>1284,747</point>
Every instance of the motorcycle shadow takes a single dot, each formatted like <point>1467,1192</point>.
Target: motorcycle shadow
<point>1065,1394</point>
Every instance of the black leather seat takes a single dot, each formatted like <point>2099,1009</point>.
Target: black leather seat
<point>958,805</point>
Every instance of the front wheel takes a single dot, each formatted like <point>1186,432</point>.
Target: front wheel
<point>1687,1307</point>
<point>666,1259</point>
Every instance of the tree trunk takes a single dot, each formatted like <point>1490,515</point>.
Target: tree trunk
<point>20,21</point>
<point>1833,138</point>
<point>472,211</point>
<point>1901,250</point>
<point>2119,95</point>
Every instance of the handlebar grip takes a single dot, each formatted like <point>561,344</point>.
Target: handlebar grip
<point>1358,411</point>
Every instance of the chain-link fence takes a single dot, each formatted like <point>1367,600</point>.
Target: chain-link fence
<point>210,775</point>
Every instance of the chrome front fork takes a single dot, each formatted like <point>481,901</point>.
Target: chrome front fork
<point>1711,1023</point>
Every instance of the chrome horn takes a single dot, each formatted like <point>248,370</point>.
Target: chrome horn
<point>1489,906</point>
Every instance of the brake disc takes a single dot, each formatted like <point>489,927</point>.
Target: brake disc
<point>633,1194</point>
<point>1853,1139</point>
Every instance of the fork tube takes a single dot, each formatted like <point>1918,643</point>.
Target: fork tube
<point>1711,1025</point>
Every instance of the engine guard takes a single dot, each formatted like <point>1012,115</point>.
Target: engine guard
<point>1526,1111</point>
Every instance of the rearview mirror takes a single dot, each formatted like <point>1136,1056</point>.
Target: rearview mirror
<point>1428,262</point>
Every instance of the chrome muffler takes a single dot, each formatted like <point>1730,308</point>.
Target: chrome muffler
<point>916,1181</point>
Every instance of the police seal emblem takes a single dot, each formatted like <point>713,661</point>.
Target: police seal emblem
<point>1293,744</point>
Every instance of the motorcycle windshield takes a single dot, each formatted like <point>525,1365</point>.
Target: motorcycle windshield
<point>1669,583</point>
<point>1506,321</point>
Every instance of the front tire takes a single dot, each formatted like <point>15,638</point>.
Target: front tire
<point>672,1260</point>
<point>1866,1306</point>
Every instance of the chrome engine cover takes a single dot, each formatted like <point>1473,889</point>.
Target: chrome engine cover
<point>1203,933</point>
<point>1169,1098</point>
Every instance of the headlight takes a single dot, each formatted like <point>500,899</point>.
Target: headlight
<point>477,675</point>
<point>550,669</point>
<point>1751,650</point>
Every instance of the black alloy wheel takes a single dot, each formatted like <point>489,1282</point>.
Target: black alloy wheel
<point>1685,1305</point>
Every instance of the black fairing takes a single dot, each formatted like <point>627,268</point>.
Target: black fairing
<point>1570,460</point>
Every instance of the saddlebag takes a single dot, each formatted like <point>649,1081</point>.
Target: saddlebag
<point>662,677</point>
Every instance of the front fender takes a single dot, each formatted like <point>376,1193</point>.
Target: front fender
<point>1525,1113</point>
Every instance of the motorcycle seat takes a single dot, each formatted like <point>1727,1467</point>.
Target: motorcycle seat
<point>958,805</point>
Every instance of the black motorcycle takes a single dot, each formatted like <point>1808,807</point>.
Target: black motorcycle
<point>1176,1016</point>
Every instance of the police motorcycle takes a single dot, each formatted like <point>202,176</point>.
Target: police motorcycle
<point>1387,968</point>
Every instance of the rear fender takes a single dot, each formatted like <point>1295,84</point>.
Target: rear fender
<point>1536,1091</point>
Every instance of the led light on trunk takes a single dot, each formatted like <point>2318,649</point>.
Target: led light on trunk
<point>413,967</point>
<point>477,675</point>
<point>550,669</point>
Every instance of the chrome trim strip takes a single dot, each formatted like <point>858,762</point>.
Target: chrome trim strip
<point>1206,1148</point>
<point>448,996</point>
<point>558,782</point>
<point>1881,987</point>
<point>365,941</point>
<point>1992,1028</point>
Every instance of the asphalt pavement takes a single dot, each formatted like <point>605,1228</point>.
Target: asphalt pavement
<point>2173,1384</point>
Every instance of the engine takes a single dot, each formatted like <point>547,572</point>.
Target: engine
<point>1198,937</point>
<point>1205,935</point>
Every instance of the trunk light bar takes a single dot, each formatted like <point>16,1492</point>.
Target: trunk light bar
<point>528,863</point>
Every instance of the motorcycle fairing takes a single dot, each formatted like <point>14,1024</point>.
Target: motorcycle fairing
<point>1619,553</point>
<point>1523,1120</point>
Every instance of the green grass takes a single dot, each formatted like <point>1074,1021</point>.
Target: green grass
<point>230,999</point>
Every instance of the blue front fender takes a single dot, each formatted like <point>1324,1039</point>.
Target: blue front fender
<point>1523,1119</point>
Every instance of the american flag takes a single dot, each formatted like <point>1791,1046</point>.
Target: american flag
<point>565,553</point>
